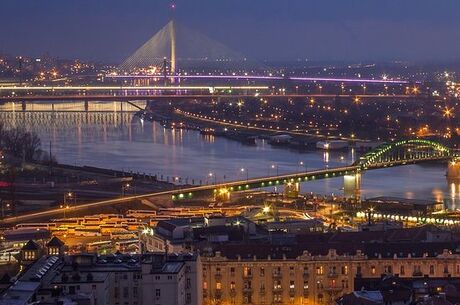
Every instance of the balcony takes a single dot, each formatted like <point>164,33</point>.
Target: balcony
<point>417,273</point>
<point>277,289</point>
<point>218,294</point>
<point>332,275</point>
<point>333,288</point>
<point>277,275</point>
<point>247,289</point>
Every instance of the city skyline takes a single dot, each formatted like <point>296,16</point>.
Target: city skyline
<point>330,30</point>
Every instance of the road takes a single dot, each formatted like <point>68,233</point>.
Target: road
<point>222,188</point>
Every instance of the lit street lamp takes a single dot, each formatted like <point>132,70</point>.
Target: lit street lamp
<point>242,170</point>
<point>124,188</point>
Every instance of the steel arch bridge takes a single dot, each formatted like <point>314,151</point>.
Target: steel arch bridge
<point>404,152</point>
<point>398,153</point>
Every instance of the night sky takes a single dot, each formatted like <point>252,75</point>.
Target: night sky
<point>109,30</point>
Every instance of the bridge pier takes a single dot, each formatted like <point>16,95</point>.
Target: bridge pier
<point>352,186</point>
<point>23,105</point>
<point>292,189</point>
<point>453,170</point>
<point>222,195</point>
<point>86,106</point>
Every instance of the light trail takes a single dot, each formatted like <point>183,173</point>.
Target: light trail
<point>262,77</point>
<point>94,88</point>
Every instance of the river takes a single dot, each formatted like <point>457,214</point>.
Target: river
<point>119,141</point>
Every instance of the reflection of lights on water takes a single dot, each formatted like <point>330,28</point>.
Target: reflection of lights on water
<point>353,155</point>
<point>326,157</point>
<point>437,194</point>
<point>409,195</point>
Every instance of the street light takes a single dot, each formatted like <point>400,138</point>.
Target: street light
<point>242,170</point>
<point>124,188</point>
<point>212,175</point>
<point>301,163</point>
<point>273,166</point>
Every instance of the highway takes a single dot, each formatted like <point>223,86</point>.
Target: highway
<point>184,192</point>
<point>270,78</point>
<point>81,96</point>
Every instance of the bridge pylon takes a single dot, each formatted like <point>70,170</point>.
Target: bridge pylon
<point>352,186</point>
<point>453,170</point>
<point>292,189</point>
<point>222,195</point>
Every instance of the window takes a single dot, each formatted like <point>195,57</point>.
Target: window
<point>29,255</point>
<point>277,284</point>
<point>247,271</point>
<point>372,269</point>
<point>188,283</point>
<point>232,285</point>
<point>446,268</point>
<point>205,285</point>
<point>53,251</point>
<point>305,285</point>
<point>188,298</point>
<point>116,292</point>
<point>291,285</point>
<point>232,271</point>
<point>157,293</point>
<point>305,270</point>
<point>125,292</point>
<point>345,270</point>
<point>218,271</point>
<point>319,270</point>
<point>431,269</point>
<point>401,270</point>
<point>262,271</point>
<point>388,269</point>
<point>218,285</point>
<point>135,292</point>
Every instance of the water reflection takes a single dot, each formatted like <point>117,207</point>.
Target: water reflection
<point>117,140</point>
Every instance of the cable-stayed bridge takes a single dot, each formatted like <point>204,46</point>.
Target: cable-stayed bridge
<point>176,43</point>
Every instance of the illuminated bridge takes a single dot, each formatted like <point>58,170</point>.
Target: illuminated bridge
<point>398,153</point>
<point>170,93</point>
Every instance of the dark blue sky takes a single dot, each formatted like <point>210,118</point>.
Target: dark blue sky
<point>414,30</point>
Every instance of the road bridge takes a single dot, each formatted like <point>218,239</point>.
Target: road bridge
<point>398,153</point>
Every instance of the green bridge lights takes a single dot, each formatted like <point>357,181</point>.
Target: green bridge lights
<point>370,160</point>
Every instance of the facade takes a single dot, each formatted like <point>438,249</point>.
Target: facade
<point>310,279</point>
<point>88,279</point>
